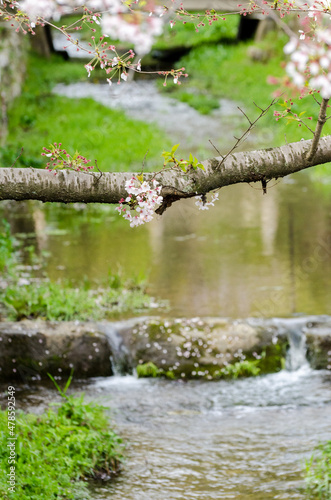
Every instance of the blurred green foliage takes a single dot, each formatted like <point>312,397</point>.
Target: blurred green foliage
<point>38,118</point>
<point>24,296</point>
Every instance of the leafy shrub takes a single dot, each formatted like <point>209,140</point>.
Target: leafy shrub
<point>244,368</point>
<point>318,473</point>
<point>56,452</point>
<point>148,370</point>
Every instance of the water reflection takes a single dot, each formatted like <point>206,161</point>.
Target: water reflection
<point>250,255</point>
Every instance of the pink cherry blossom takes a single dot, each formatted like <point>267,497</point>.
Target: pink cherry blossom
<point>311,61</point>
<point>143,199</point>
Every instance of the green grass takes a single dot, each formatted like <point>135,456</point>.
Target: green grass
<point>226,71</point>
<point>148,370</point>
<point>318,473</point>
<point>216,70</point>
<point>185,35</point>
<point>38,118</point>
<point>61,301</point>
<point>236,370</point>
<point>38,297</point>
<point>57,451</point>
<point>240,369</point>
<point>201,102</point>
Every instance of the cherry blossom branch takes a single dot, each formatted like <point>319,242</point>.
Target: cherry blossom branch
<point>250,166</point>
<point>267,8</point>
<point>293,116</point>
<point>98,48</point>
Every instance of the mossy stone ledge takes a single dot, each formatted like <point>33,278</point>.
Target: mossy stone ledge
<point>31,349</point>
<point>195,348</point>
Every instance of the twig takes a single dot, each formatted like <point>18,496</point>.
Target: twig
<point>143,166</point>
<point>257,106</point>
<point>314,97</point>
<point>275,17</point>
<point>317,134</point>
<point>215,148</point>
<point>17,158</point>
<point>247,131</point>
<point>300,121</point>
<point>243,112</point>
<point>97,179</point>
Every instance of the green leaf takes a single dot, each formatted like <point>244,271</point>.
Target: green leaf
<point>174,148</point>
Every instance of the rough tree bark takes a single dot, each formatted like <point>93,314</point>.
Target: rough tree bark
<point>69,186</point>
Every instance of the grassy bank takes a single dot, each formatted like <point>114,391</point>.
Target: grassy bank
<point>240,369</point>
<point>218,67</point>
<point>240,71</point>
<point>318,473</point>
<point>25,291</point>
<point>58,451</point>
<point>38,118</point>
<point>185,35</point>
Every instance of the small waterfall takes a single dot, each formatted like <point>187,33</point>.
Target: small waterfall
<point>296,354</point>
<point>121,359</point>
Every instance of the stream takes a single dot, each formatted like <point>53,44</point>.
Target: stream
<point>243,439</point>
<point>182,123</point>
<point>252,255</point>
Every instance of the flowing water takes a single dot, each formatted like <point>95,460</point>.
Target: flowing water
<point>182,123</point>
<point>242,439</point>
<point>238,439</point>
<point>233,439</point>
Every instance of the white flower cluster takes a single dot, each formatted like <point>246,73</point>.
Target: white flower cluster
<point>141,34</point>
<point>139,206</point>
<point>311,61</point>
<point>54,9</point>
<point>204,205</point>
<point>43,8</point>
<point>113,6</point>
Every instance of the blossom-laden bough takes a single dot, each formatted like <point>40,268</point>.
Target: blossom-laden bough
<point>140,195</point>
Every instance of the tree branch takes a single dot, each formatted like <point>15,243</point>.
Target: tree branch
<point>70,187</point>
